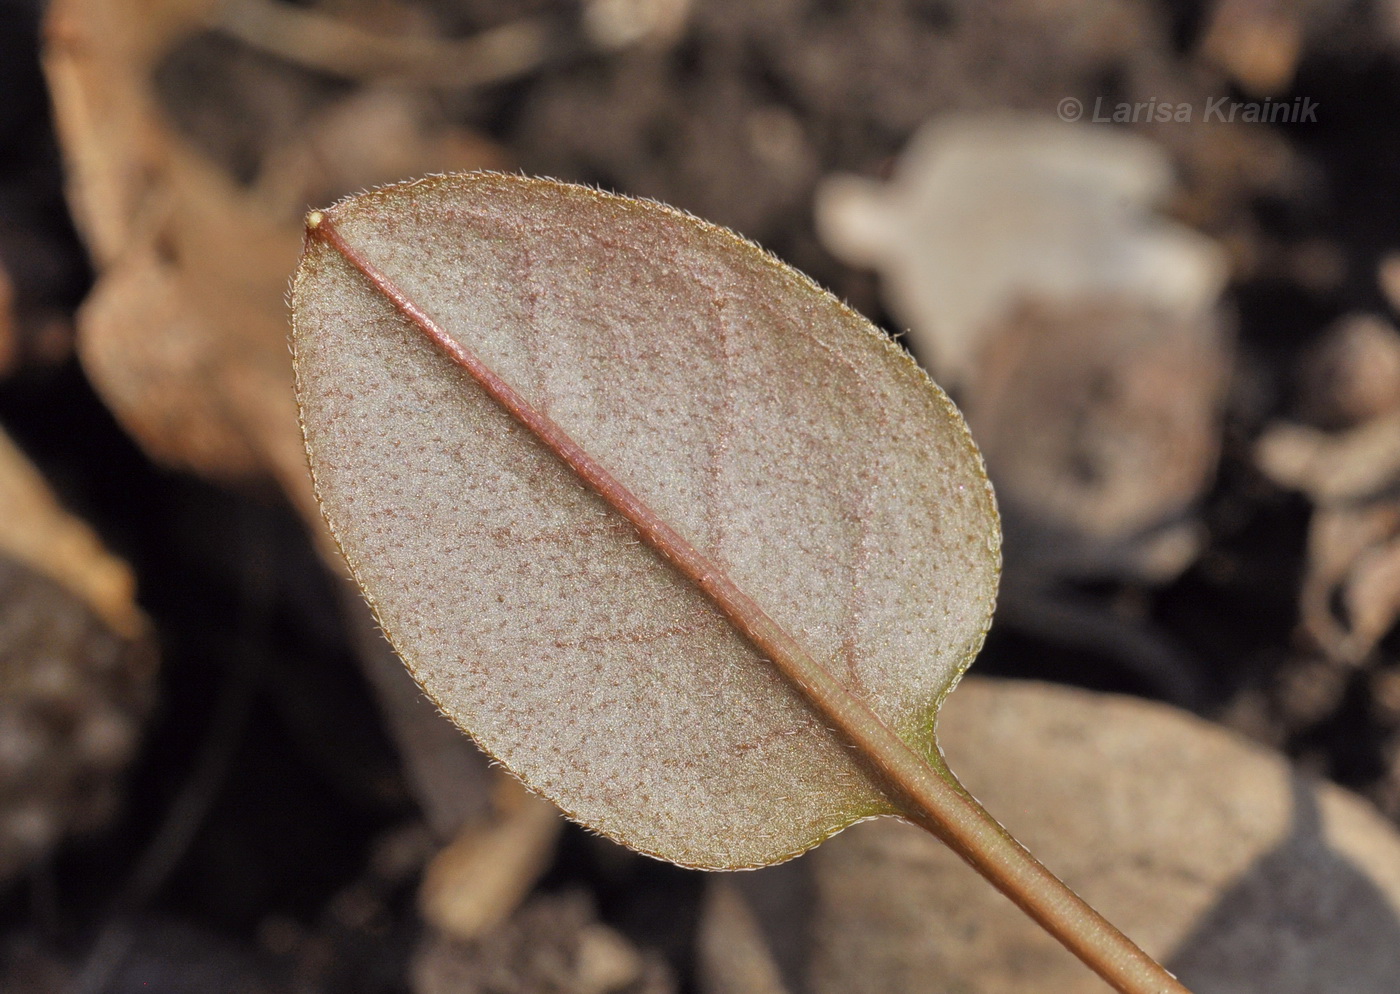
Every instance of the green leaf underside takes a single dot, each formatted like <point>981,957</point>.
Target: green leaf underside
<point>787,439</point>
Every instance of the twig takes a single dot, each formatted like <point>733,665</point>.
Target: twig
<point>332,45</point>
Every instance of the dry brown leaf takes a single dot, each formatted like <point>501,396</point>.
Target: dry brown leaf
<point>480,878</point>
<point>1372,595</point>
<point>1350,596</point>
<point>185,332</point>
<point>37,531</point>
<point>330,42</point>
<point>1333,467</point>
<point>1353,374</point>
<point>555,945</point>
<point>1259,42</point>
<point>366,138</point>
<point>77,669</point>
<point>735,958</point>
<point>340,46</point>
<point>616,24</point>
<point>1353,553</point>
<point>1350,385</point>
<point>1207,849</point>
<point>804,453</point>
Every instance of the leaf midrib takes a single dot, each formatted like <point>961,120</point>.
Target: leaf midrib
<point>852,717</point>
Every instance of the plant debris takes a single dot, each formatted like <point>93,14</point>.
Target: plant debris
<point>1188,405</point>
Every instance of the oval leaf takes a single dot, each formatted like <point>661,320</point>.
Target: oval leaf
<point>802,456</point>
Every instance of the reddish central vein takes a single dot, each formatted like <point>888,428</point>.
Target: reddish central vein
<point>832,700</point>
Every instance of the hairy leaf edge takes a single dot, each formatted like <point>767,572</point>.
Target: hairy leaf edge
<point>927,743</point>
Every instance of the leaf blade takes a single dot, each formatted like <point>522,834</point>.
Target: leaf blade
<point>537,254</point>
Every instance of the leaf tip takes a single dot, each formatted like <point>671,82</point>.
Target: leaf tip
<point>313,220</point>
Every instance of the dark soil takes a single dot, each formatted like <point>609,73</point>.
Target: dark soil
<point>261,701</point>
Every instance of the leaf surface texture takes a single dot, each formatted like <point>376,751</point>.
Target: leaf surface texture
<point>788,440</point>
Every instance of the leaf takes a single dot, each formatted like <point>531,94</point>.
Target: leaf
<point>37,531</point>
<point>811,465</point>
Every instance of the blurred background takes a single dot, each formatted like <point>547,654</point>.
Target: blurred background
<point>1151,248</point>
